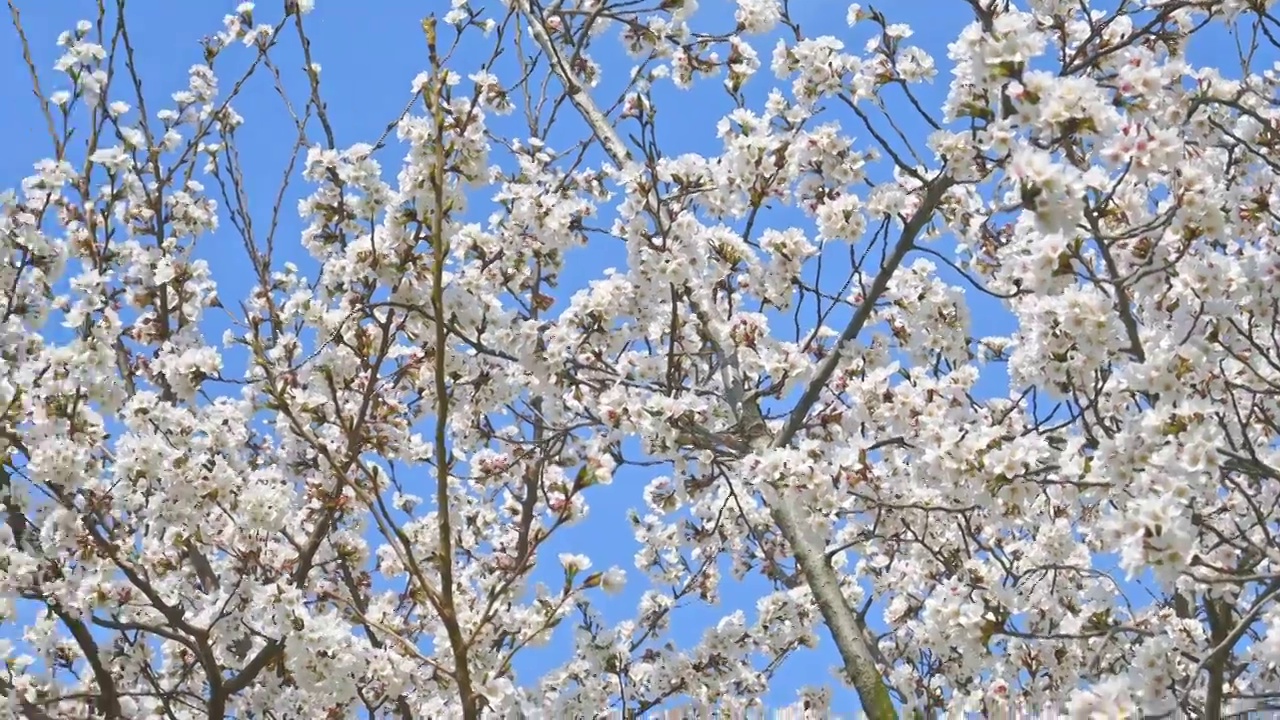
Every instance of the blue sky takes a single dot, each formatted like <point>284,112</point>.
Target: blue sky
<point>370,51</point>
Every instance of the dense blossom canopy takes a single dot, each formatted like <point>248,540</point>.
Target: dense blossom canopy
<point>342,506</point>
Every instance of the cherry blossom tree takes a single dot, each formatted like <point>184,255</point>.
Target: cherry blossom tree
<point>344,505</point>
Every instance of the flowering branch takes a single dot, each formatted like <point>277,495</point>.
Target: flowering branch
<point>846,628</point>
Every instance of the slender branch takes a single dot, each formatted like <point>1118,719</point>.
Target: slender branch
<point>937,188</point>
<point>108,700</point>
<point>16,18</point>
<point>462,673</point>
